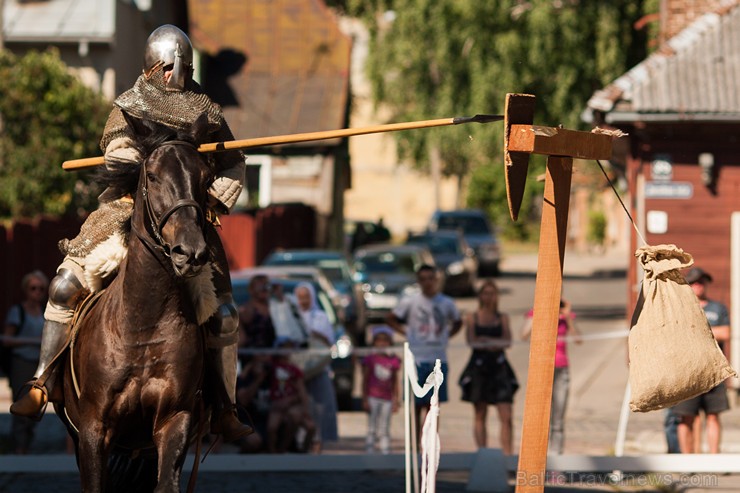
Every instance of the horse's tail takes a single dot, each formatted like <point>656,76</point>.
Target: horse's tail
<point>130,472</point>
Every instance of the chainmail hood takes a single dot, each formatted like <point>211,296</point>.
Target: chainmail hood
<point>149,99</point>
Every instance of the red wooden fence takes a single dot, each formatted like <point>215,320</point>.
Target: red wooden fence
<point>248,238</point>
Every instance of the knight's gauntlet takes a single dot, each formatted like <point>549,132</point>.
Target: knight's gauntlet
<point>122,150</point>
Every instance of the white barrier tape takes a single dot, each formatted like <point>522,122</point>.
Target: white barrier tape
<point>398,350</point>
<point>430,449</point>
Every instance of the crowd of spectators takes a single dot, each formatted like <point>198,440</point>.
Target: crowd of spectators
<point>285,393</point>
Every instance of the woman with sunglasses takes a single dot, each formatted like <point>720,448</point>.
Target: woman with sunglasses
<point>23,326</point>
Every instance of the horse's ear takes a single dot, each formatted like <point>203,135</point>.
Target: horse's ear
<point>136,125</point>
<point>200,129</point>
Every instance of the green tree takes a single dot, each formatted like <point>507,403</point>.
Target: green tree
<point>438,58</point>
<point>49,116</point>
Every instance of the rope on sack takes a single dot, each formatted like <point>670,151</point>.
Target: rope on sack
<point>614,189</point>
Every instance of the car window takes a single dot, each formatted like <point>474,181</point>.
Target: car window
<point>436,244</point>
<point>241,295</point>
<point>469,224</point>
<point>386,262</point>
<point>327,307</point>
<point>336,270</point>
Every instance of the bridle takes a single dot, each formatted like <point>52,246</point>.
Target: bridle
<point>157,224</point>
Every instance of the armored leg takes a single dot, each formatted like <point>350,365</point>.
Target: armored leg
<point>63,292</point>
<point>222,341</point>
<point>224,354</point>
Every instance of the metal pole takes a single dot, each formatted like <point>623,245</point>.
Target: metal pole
<point>407,418</point>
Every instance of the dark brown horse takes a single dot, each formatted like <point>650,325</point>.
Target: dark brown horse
<point>132,396</point>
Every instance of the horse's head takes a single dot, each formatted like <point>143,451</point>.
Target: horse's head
<point>171,193</point>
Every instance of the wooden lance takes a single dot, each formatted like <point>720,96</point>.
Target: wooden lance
<point>308,137</point>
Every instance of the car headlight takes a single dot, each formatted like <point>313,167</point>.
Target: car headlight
<point>455,268</point>
<point>342,348</point>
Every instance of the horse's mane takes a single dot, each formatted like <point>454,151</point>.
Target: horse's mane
<point>121,178</point>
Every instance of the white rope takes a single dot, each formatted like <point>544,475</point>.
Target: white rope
<point>357,351</point>
<point>430,448</point>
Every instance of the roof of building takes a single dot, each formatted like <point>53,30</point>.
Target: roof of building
<point>694,76</point>
<point>59,20</point>
<point>276,67</point>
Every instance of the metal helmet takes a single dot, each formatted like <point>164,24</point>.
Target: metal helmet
<point>168,45</point>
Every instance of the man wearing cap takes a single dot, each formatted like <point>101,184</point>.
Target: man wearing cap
<point>715,401</point>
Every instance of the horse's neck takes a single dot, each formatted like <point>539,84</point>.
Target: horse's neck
<point>149,290</point>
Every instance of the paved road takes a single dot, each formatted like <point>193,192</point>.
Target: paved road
<point>596,286</point>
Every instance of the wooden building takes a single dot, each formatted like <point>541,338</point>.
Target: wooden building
<point>681,109</point>
<point>101,41</point>
<point>281,68</point>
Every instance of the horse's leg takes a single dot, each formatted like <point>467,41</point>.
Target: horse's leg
<point>92,456</point>
<point>171,440</point>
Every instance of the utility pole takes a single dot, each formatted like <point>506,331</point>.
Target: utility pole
<point>2,48</point>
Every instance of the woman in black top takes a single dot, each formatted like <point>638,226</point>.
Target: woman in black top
<point>488,378</point>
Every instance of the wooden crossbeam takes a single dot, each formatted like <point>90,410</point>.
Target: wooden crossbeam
<point>554,141</point>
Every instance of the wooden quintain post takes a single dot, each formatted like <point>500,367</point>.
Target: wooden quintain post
<point>560,146</point>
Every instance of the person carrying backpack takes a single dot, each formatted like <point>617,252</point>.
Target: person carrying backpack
<point>25,321</point>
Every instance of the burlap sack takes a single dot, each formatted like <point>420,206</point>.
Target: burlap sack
<point>673,354</point>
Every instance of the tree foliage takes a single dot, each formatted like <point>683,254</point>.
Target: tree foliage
<point>48,117</point>
<point>441,58</point>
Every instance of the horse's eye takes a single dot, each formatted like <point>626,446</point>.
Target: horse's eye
<point>151,177</point>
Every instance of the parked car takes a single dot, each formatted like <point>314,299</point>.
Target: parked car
<point>360,233</point>
<point>452,255</point>
<point>342,365</point>
<point>478,233</point>
<point>308,273</point>
<point>337,269</point>
<point>388,272</point>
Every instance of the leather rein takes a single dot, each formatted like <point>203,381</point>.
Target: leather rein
<point>160,245</point>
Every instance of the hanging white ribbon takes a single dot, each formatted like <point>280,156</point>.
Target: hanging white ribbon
<point>430,448</point>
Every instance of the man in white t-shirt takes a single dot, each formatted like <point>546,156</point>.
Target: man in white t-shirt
<point>428,319</point>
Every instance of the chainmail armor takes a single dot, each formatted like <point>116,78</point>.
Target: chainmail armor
<point>150,100</point>
<point>109,218</point>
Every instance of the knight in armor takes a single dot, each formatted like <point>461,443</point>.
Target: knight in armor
<point>167,94</point>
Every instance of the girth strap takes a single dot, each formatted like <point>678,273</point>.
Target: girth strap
<point>80,314</point>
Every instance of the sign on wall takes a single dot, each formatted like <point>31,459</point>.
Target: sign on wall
<point>669,190</point>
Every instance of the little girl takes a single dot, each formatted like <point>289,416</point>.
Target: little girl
<point>380,389</point>
<point>289,402</point>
